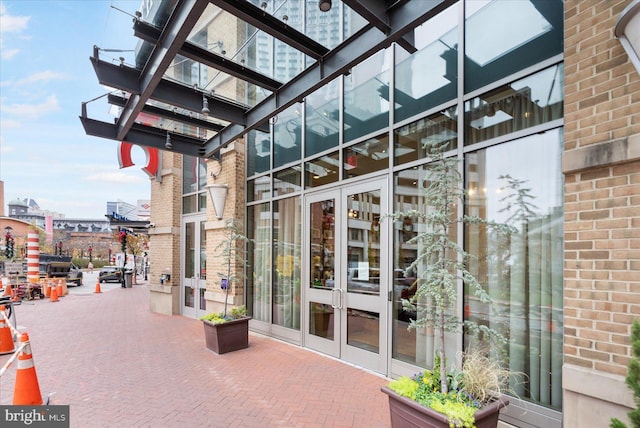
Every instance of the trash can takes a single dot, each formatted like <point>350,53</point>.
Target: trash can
<point>128,278</point>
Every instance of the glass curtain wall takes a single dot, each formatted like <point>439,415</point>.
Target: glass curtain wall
<point>502,118</point>
<point>519,183</point>
<point>287,241</point>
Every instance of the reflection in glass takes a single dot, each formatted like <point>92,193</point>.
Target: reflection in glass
<point>287,181</point>
<point>322,119</point>
<point>363,329</point>
<point>410,140</point>
<point>321,171</point>
<point>366,108</point>
<point>321,319</point>
<point>505,36</point>
<point>363,234</point>
<point>528,102</point>
<point>189,250</point>
<point>258,152</point>
<point>520,184</point>
<point>415,346</point>
<point>203,251</point>
<point>259,257</point>
<point>258,188</point>
<point>322,244</point>
<point>287,136</point>
<point>365,157</point>
<point>287,240</point>
<point>428,77</point>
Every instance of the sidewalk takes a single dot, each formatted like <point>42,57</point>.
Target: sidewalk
<point>118,365</point>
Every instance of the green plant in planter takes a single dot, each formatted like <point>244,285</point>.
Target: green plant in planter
<point>219,317</point>
<point>442,265</point>
<point>231,248</point>
<point>633,379</point>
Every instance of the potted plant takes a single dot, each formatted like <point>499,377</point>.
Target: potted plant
<point>446,396</point>
<point>228,331</point>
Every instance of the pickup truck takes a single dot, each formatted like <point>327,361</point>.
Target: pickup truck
<point>60,267</point>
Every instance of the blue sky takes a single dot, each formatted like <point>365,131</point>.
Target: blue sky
<point>45,75</point>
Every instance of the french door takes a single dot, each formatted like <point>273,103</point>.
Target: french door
<point>194,273</point>
<point>346,274</point>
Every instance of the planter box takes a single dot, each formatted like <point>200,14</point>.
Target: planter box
<point>227,337</point>
<point>406,413</point>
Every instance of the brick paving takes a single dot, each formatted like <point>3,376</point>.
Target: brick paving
<point>119,365</point>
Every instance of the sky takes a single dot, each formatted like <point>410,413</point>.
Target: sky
<point>45,75</point>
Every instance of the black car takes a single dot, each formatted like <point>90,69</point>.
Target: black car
<point>110,274</point>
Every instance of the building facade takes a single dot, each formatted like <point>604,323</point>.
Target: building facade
<point>540,105</point>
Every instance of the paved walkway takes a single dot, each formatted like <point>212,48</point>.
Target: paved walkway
<point>119,365</point>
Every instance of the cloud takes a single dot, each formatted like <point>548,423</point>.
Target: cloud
<point>116,177</point>
<point>10,23</point>
<point>43,76</point>
<point>33,111</point>
<point>9,53</point>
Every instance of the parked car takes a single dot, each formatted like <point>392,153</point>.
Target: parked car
<point>110,274</point>
<point>75,275</point>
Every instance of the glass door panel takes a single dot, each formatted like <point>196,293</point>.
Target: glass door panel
<point>346,282</point>
<point>193,277</point>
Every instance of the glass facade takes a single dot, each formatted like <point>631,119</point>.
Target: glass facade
<point>495,99</point>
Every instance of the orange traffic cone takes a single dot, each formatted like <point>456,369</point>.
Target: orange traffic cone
<point>53,294</point>
<point>59,288</point>
<point>98,288</point>
<point>6,338</point>
<point>27,389</point>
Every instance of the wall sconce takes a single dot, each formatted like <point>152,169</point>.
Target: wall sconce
<point>324,5</point>
<point>205,106</point>
<point>627,30</point>
<point>218,194</point>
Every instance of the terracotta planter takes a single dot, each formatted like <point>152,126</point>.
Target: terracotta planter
<point>227,337</point>
<point>406,413</point>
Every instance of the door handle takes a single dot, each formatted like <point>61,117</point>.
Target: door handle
<point>336,292</point>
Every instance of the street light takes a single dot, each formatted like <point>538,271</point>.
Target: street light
<point>218,194</point>
<point>627,30</point>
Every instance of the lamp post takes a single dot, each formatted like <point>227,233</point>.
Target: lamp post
<point>8,239</point>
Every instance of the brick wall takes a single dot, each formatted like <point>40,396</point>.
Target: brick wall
<point>601,164</point>
<point>231,174</point>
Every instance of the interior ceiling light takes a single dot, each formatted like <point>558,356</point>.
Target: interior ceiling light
<point>205,106</point>
<point>168,144</point>
<point>324,5</point>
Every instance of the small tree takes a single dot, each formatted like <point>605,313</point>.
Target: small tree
<point>440,262</point>
<point>232,250</point>
<point>633,379</point>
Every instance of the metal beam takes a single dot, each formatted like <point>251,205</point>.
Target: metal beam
<point>172,93</point>
<point>180,23</point>
<point>168,114</point>
<point>192,51</point>
<point>271,25</point>
<point>402,19</point>
<point>144,135</point>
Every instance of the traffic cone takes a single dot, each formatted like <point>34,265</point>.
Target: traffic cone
<point>6,338</point>
<point>53,294</point>
<point>59,288</point>
<point>27,389</point>
<point>98,288</point>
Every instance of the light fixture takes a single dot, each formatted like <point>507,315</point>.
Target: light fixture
<point>324,5</point>
<point>218,194</point>
<point>168,145</point>
<point>627,30</point>
<point>205,106</point>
